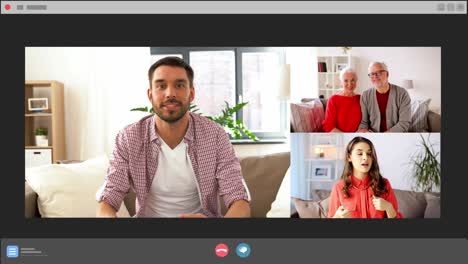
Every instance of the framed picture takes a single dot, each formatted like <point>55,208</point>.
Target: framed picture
<point>38,104</point>
<point>321,172</point>
<point>340,66</point>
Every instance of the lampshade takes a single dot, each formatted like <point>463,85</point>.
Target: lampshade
<point>284,82</point>
<point>408,84</point>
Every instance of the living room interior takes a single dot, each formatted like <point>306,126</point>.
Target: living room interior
<point>417,69</point>
<point>318,159</point>
<point>99,86</point>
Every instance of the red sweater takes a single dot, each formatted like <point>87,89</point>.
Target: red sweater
<point>359,201</point>
<point>343,112</point>
<point>382,100</point>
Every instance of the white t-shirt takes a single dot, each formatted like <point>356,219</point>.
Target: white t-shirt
<point>174,190</point>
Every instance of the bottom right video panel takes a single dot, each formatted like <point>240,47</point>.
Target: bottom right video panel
<point>365,175</point>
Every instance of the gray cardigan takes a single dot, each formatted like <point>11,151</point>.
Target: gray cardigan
<point>398,110</point>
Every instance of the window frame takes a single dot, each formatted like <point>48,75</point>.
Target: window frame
<point>265,137</point>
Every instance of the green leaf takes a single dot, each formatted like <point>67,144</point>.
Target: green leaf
<point>142,109</point>
<point>426,173</point>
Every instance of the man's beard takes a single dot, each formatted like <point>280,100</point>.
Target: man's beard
<point>174,115</point>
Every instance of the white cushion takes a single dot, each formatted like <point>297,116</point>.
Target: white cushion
<point>68,190</point>
<point>419,112</point>
<point>281,207</point>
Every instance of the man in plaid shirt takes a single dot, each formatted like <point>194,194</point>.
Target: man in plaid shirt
<point>178,163</point>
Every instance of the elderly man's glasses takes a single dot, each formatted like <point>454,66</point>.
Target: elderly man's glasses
<point>377,73</point>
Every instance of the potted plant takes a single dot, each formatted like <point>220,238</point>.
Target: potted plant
<point>425,169</point>
<point>235,128</point>
<point>345,50</point>
<point>41,137</point>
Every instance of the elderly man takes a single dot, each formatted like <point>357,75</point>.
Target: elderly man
<point>178,163</point>
<point>385,107</point>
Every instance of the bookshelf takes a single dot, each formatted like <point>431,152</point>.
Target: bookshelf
<point>324,163</point>
<point>51,118</point>
<point>329,68</point>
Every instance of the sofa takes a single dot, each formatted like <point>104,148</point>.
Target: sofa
<point>433,118</point>
<point>411,204</point>
<point>262,174</point>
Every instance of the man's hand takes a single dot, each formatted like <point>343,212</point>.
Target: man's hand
<point>192,216</point>
<point>364,130</point>
<point>106,210</point>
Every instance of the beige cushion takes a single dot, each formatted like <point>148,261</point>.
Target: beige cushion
<point>306,209</point>
<point>411,204</point>
<point>263,176</point>
<point>324,204</point>
<point>68,190</point>
<point>309,209</point>
<point>433,206</point>
<point>433,122</point>
<point>419,112</point>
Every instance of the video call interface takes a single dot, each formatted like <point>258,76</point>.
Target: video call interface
<point>240,131</point>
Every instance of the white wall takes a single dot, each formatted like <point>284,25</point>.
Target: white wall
<point>394,151</point>
<point>420,64</point>
<point>303,61</point>
<point>95,80</point>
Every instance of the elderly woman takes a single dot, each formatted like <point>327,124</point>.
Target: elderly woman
<point>344,109</point>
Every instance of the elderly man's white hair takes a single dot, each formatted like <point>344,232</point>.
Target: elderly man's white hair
<point>347,70</point>
<point>381,63</point>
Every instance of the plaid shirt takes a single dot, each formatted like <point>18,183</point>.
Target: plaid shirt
<point>134,162</point>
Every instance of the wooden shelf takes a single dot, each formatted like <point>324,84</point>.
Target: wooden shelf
<point>38,114</point>
<point>321,159</point>
<point>42,83</point>
<point>53,118</point>
<point>38,147</point>
<point>331,76</point>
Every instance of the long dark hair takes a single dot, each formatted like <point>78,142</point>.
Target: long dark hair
<point>377,182</point>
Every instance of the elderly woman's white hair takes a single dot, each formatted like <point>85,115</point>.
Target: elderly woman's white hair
<point>347,70</point>
<point>381,63</point>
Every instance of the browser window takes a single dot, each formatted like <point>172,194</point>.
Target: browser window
<point>232,131</point>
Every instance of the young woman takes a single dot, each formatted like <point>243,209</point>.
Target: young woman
<point>362,192</point>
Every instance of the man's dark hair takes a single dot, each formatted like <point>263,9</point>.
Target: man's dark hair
<point>174,62</point>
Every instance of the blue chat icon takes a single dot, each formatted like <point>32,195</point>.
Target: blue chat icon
<point>243,250</point>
